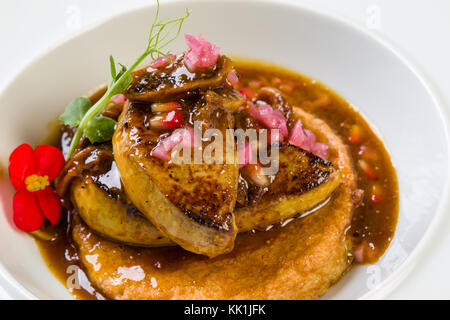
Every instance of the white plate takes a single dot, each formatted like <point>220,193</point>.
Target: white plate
<point>365,71</point>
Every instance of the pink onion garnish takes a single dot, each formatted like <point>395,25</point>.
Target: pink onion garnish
<point>306,139</point>
<point>162,61</point>
<point>202,55</point>
<point>161,153</point>
<point>183,137</point>
<point>232,77</point>
<point>272,119</point>
<point>118,98</point>
<point>245,155</point>
<point>321,149</point>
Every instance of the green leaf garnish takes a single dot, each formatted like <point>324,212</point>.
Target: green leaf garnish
<point>75,111</point>
<point>97,128</point>
<point>100,129</point>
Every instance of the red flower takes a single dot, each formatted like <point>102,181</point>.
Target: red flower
<point>31,173</point>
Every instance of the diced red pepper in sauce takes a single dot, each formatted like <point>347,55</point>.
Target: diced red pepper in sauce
<point>286,87</point>
<point>249,94</point>
<point>365,252</point>
<point>275,81</point>
<point>355,136</point>
<point>321,102</point>
<point>376,195</point>
<point>368,169</point>
<point>167,121</point>
<point>255,84</point>
<point>166,106</point>
<point>367,153</point>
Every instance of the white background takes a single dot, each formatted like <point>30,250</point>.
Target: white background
<point>417,28</point>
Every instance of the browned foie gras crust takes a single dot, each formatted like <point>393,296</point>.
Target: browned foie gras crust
<point>303,181</point>
<point>175,81</point>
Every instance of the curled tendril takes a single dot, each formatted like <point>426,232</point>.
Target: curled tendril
<point>161,35</point>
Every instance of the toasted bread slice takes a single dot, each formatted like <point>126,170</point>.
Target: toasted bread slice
<point>192,204</point>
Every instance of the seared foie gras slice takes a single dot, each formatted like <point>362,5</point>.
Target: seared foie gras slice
<point>192,204</point>
<point>91,181</point>
<point>175,81</point>
<point>303,182</point>
<point>111,217</point>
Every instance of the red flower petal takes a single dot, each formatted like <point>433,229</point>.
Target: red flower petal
<point>49,204</point>
<point>48,161</point>
<point>21,165</point>
<point>26,213</point>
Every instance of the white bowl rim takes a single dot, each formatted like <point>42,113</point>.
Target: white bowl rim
<point>394,279</point>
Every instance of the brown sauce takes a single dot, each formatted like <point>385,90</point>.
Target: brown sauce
<point>374,221</point>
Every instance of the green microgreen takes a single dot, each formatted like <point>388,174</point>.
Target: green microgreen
<point>79,113</point>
